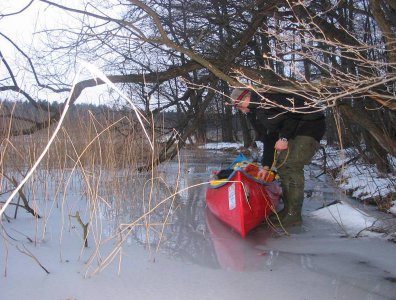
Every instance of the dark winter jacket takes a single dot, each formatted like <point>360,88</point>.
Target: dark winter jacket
<point>273,123</point>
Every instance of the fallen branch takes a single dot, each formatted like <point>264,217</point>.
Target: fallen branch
<point>21,196</point>
<point>30,254</point>
<point>337,169</point>
<point>24,199</point>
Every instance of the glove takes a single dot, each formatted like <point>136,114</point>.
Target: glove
<point>263,173</point>
<point>281,144</point>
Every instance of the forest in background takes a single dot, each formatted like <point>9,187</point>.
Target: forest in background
<point>186,56</point>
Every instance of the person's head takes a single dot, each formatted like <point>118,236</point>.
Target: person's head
<point>240,98</point>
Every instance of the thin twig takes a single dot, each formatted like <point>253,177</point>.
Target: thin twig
<point>30,254</point>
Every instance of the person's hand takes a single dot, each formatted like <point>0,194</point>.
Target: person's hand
<point>281,144</point>
<point>263,173</point>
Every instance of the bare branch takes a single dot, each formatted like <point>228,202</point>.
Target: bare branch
<point>17,12</point>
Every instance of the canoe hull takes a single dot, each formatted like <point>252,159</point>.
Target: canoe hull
<point>243,202</point>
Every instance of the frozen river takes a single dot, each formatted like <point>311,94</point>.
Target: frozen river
<point>181,251</point>
<point>319,260</point>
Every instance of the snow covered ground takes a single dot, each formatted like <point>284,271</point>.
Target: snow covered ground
<point>364,181</point>
<point>344,249</point>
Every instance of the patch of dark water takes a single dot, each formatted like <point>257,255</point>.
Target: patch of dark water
<point>391,279</point>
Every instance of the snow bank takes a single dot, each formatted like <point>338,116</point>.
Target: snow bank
<point>350,219</point>
<point>364,182</point>
<point>358,179</point>
<point>392,210</point>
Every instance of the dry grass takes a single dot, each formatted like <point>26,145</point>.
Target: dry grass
<point>102,152</point>
<point>84,139</point>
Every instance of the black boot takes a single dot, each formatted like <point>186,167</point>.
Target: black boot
<point>274,218</point>
<point>291,214</point>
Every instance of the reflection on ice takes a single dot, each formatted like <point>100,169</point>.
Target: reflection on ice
<point>234,252</point>
<point>354,268</point>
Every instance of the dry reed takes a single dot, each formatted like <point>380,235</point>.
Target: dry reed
<point>93,158</point>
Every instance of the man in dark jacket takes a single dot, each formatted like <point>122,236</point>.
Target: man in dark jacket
<point>287,124</point>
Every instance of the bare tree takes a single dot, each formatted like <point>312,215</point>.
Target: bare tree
<point>180,52</point>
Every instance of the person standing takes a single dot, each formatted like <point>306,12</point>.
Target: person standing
<point>294,135</point>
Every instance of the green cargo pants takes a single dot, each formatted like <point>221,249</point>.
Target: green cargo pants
<point>291,163</point>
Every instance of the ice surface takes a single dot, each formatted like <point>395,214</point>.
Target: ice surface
<point>180,251</point>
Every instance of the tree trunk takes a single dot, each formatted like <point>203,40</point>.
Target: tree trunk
<point>357,117</point>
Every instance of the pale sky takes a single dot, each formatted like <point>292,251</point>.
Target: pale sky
<point>21,28</point>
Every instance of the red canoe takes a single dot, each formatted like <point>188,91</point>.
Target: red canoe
<point>241,201</point>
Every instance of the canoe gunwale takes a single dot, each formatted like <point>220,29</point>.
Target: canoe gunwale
<point>229,179</point>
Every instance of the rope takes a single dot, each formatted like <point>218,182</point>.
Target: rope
<point>276,158</point>
<point>274,167</point>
